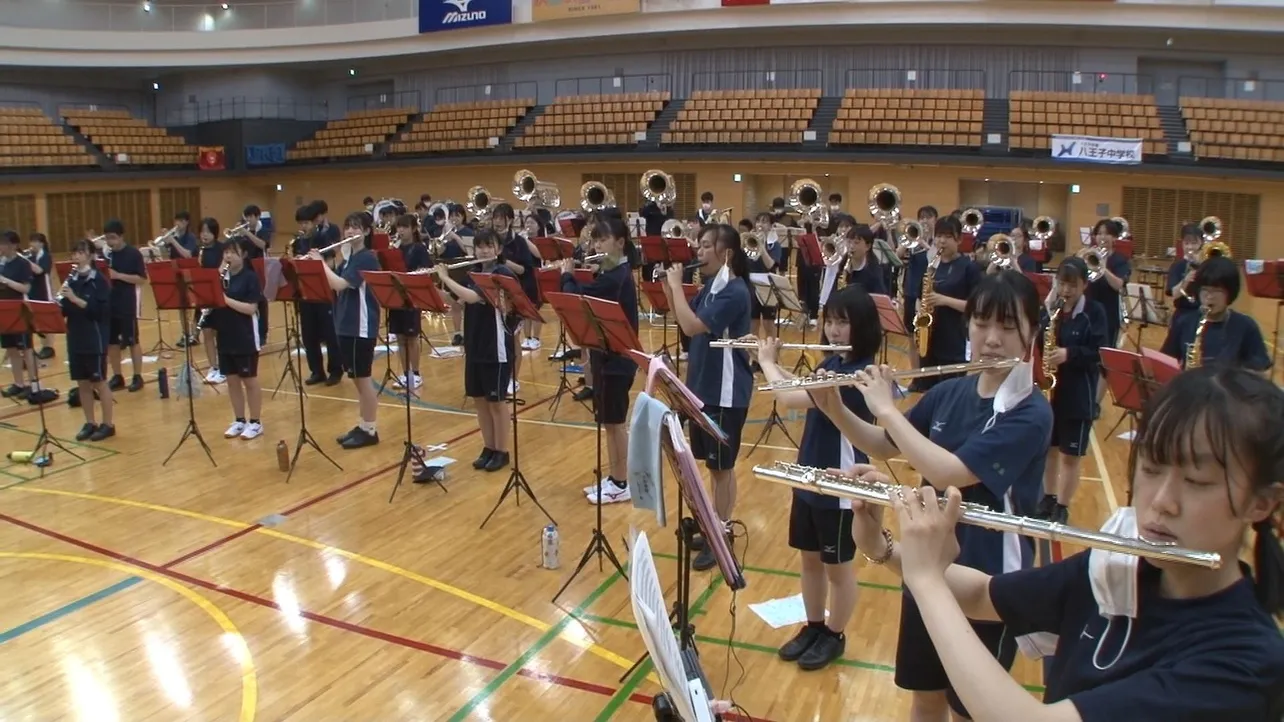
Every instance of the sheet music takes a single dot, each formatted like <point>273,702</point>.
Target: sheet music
<point>652,616</point>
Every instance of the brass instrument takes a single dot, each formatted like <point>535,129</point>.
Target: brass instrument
<point>1043,228</point>
<point>923,319</point>
<point>1096,260</point>
<point>1211,228</point>
<point>658,187</point>
<point>1049,380</point>
<point>753,345</point>
<point>1004,253</point>
<point>753,243</point>
<point>1125,230</point>
<point>885,203</point>
<point>805,198</point>
<point>834,380</point>
<point>480,203</point>
<point>443,206</point>
<point>972,220</point>
<point>909,235</point>
<point>833,484</point>
<point>534,192</point>
<point>833,249</point>
<point>1195,354</point>
<point>1212,249</point>
<point>674,229</point>
<point>294,241</point>
<point>595,197</point>
<point>163,239</point>
<point>237,230</point>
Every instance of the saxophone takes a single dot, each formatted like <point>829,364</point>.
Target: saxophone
<point>1049,380</point>
<point>1195,353</point>
<point>923,319</point>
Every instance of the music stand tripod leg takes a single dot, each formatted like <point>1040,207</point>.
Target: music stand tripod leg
<point>412,452</point>
<point>192,429</point>
<point>45,439</point>
<point>293,342</point>
<point>516,480</point>
<point>774,420</point>
<point>305,436</point>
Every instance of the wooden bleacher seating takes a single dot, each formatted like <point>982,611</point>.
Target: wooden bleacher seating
<point>462,126</point>
<point>1034,117</point>
<point>352,136</point>
<point>30,139</point>
<point>1235,129</point>
<point>116,132</point>
<point>899,116</point>
<point>581,120</point>
<point>744,116</point>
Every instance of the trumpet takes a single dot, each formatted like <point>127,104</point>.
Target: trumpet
<point>885,203</point>
<point>595,197</point>
<point>1004,253</point>
<point>658,187</point>
<point>753,345</point>
<point>237,230</point>
<point>753,245</point>
<point>594,258</point>
<point>1043,228</point>
<point>972,220</point>
<point>1211,228</point>
<point>806,383</point>
<point>163,239</point>
<point>836,485</point>
<point>805,198</point>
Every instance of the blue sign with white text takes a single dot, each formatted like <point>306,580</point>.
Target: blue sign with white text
<point>437,15</point>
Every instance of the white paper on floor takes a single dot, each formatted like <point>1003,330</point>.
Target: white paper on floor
<point>1127,435</point>
<point>447,351</point>
<point>785,612</point>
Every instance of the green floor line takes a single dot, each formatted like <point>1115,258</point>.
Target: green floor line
<point>539,645</point>
<point>59,470</point>
<point>793,575</point>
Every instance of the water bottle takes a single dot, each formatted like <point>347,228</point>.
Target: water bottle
<point>282,456</point>
<point>550,546</point>
<point>162,382</point>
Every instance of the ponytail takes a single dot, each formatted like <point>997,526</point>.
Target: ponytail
<point>1268,563</point>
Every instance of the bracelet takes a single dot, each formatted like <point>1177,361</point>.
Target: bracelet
<point>887,550</point>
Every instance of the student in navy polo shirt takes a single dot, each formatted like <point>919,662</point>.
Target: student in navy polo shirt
<point>488,351</point>
<point>238,340</point>
<point>1020,237</point>
<point>356,323</point>
<point>515,255</point>
<point>762,318</point>
<point>1155,641</point>
<point>1181,286</point>
<point>86,304</point>
<point>957,275</point>
<point>181,244</point>
<point>1230,338</point>
<point>127,272</point>
<point>458,244</point>
<point>1081,331</point>
<point>316,318</point>
<point>721,378</point>
<point>260,240</point>
<point>210,255</point>
<point>406,323</point>
<point>15,282</point>
<point>41,281</point>
<point>1108,289</point>
<point>820,527</point>
<point>862,265</point>
<point>914,265</point>
<point>613,374</point>
<point>985,433</point>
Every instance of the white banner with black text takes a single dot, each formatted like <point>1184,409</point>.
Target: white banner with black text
<point>1091,149</point>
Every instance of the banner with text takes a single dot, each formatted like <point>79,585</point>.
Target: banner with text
<point>741,3</point>
<point>544,10</point>
<point>267,154</point>
<point>1090,149</point>
<point>435,15</point>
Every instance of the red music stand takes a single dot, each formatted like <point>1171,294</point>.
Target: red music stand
<point>599,326</point>
<point>549,280</point>
<point>654,292</point>
<point>415,292</point>
<point>890,319</point>
<point>1130,383</point>
<point>29,318</point>
<point>1266,280</point>
<point>380,241</point>
<point>505,293</point>
<point>967,243</point>
<point>184,291</point>
<point>162,348</point>
<point>1042,282</point>
<point>552,249</point>
<point>66,268</point>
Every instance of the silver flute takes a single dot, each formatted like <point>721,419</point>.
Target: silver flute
<point>753,345</point>
<point>823,382</point>
<point>833,484</point>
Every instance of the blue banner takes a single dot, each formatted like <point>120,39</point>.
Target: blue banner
<point>270,154</point>
<point>437,15</point>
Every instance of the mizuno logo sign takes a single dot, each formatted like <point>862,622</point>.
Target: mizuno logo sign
<point>456,17</point>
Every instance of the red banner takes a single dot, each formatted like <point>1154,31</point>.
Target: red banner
<point>212,158</point>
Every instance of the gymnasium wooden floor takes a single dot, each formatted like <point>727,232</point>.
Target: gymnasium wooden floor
<point>140,592</point>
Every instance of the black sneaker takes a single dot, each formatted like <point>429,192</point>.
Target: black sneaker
<point>483,459</point>
<point>181,343</point>
<point>498,460</point>
<point>360,438</point>
<point>345,435</point>
<point>457,340</point>
<point>13,390</point>
<point>104,431</point>
<point>45,353</point>
<point>705,560</point>
<point>43,396</point>
<point>117,383</point>
<point>1047,507</point>
<point>86,431</point>
<point>314,379</point>
<point>584,394</point>
<point>827,648</point>
<point>334,379</point>
<point>697,542</point>
<point>73,398</point>
<point>798,646</point>
<point>136,384</point>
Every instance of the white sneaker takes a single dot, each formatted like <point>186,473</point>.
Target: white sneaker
<point>535,344</point>
<point>416,381</point>
<point>236,429</point>
<point>526,344</point>
<point>591,489</point>
<point>215,377</point>
<point>513,386</point>
<point>399,381</point>
<point>252,431</point>
<point>611,493</point>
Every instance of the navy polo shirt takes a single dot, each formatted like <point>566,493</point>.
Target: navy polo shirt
<point>1006,452</point>
<point>655,218</point>
<point>41,286</point>
<point>488,336</point>
<point>1210,659</point>
<point>870,276</point>
<point>516,250</point>
<point>238,334</point>
<point>776,251</point>
<point>452,249</point>
<point>1235,340</point>
<point>17,270</point>
<point>415,256</point>
<point>264,234</point>
<point>915,266</point>
<point>1181,304</point>
<point>211,256</point>
<point>1101,292</point>
<point>187,240</point>
<point>88,327</point>
<point>1082,333</point>
<point>955,279</point>
<point>1027,264</point>
<point>616,285</point>
<point>721,377</point>
<point>823,446</point>
<point>127,298</point>
<point>356,313</point>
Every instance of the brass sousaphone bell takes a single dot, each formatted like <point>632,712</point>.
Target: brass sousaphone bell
<point>595,196</point>
<point>481,203</point>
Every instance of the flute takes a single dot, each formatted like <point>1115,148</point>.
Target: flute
<point>833,484</point>
<point>465,264</point>
<point>824,382</point>
<point>753,345</point>
<point>340,244</point>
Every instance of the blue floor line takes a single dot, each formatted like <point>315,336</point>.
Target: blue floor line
<point>60,612</point>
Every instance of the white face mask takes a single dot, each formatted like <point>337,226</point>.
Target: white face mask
<point>708,206</point>
<point>346,251</point>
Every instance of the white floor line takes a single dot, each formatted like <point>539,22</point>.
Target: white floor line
<point>1106,484</point>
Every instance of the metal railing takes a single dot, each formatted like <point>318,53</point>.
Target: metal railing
<point>756,79</point>
<point>377,101</point>
<point>191,15</point>
<point>1231,88</point>
<point>486,91</point>
<point>1057,81</point>
<point>924,79</point>
<point>611,84</point>
<point>241,108</point>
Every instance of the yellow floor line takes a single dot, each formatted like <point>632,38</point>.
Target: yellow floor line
<point>231,635</point>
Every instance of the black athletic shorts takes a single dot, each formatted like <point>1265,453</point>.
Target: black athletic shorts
<point>718,456</point>
<point>356,355</point>
<point>87,367</point>
<point>827,530</point>
<point>404,321</point>
<point>122,332</point>
<point>611,396</point>
<point>757,310</point>
<point>237,364</point>
<point>15,340</point>
<point>918,666</point>
<point>1071,435</point>
<point>487,381</point>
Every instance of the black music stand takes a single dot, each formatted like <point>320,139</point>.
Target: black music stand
<point>305,281</point>
<point>288,295</point>
<point>183,291</point>
<point>162,349</point>
<point>810,261</point>
<point>596,325</point>
<point>503,292</point>
<point>390,259</point>
<point>549,281</point>
<point>28,318</point>
<point>416,292</point>
<point>781,295</point>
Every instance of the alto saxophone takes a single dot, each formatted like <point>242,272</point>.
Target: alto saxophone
<point>923,319</point>
<point>1049,380</point>
<point>1195,354</point>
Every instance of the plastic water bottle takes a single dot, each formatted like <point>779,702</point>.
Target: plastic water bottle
<point>282,456</point>
<point>550,547</point>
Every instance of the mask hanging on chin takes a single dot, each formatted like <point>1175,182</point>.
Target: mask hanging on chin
<point>721,280</point>
<point>1015,388</point>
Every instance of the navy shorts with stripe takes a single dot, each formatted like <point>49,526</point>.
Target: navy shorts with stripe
<point>718,456</point>
<point>1070,436</point>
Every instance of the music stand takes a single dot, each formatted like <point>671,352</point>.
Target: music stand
<point>810,261</point>
<point>654,291</point>
<point>162,349</point>
<point>890,319</point>
<point>288,294</point>
<point>390,259</point>
<point>595,325</point>
<point>774,290</point>
<point>661,251</point>
<point>549,280</point>
<point>183,291</point>
<point>28,318</point>
<point>503,292</point>
<point>305,281</point>
<point>1266,280</point>
<point>1138,306</point>
<point>416,292</point>
<point>1129,383</point>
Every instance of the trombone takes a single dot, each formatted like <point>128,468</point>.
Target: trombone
<point>236,230</point>
<point>807,383</point>
<point>972,220</point>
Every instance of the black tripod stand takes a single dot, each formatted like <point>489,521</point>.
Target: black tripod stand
<point>563,386</point>
<point>387,366</point>
<point>192,430</point>
<point>32,325</point>
<point>305,436</point>
<point>293,342</point>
